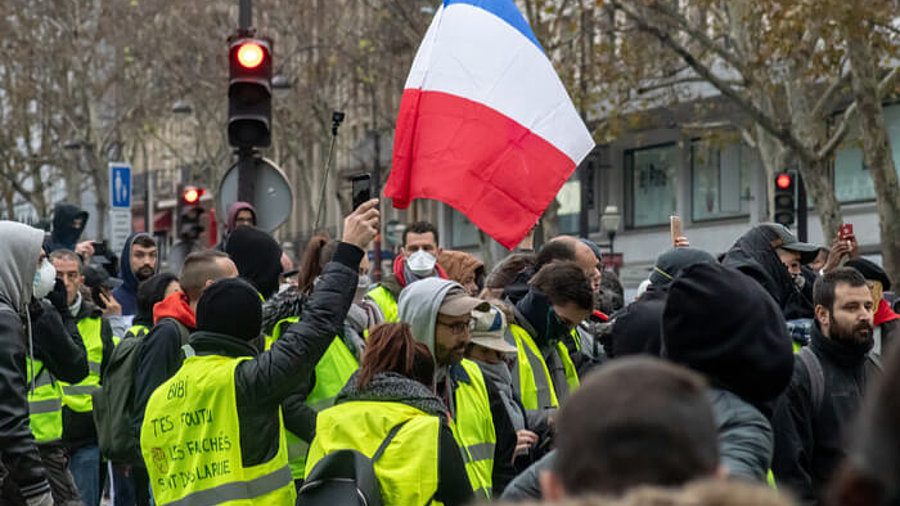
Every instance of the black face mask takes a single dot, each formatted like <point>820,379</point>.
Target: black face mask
<point>556,328</point>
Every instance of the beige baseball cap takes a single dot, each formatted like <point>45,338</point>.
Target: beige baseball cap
<point>457,302</point>
<point>489,328</point>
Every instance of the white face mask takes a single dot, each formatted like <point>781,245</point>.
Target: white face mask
<point>44,279</point>
<point>421,263</point>
<point>362,286</point>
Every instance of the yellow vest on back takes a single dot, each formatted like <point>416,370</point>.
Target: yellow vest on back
<point>407,472</point>
<point>191,442</point>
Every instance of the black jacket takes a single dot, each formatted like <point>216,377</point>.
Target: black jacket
<point>58,344</point>
<point>78,428</point>
<point>264,382</point>
<point>637,328</point>
<point>810,443</point>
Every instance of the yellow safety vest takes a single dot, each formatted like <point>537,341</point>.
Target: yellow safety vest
<point>407,471</point>
<point>332,372</point>
<point>191,442</point>
<point>44,403</point>
<point>534,382</point>
<point>78,397</point>
<point>474,429</point>
<point>386,301</point>
<point>136,331</point>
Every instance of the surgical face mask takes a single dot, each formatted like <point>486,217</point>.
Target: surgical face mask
<point>44,279</point>
<point>362,286</point>
<point>421,263</point>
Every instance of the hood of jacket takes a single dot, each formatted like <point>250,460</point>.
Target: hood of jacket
<point>419,305</point>
<point>754,255</point>
<point>723,324</point>
<point>175,306</point>
<point>282,305</point>
<point>233,210</point>
<point>125,274</point>
<point>393,387</point>
<point>64,234</point>
<point>257,257</point>
<point>459,264</point>
<point>19,253</point>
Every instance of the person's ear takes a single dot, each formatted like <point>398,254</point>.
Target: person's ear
<point>552,488</point>
<point>439,251</point>
<point>81,280</point>
<point>823,316</point>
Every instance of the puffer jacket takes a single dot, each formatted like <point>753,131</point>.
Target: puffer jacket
<point>264,382</point>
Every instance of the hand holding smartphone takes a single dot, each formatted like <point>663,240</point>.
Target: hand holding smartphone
<point>361,189</point>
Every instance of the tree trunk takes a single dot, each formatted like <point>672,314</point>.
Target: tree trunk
<point>820,188</point>
<point>876,148</point>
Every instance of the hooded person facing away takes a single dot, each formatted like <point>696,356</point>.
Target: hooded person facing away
<point>720,323</point>
<point>20,257</point>
<point>257,257</point>
<point>68,224</point>
<point>139,262</point>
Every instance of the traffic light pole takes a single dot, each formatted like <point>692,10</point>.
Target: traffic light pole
<point>245,14</point>
<point>246,175</point>
<point>802,225</point>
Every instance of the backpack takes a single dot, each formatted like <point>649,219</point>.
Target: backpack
<point>114,402</point>
<point>345,477</point>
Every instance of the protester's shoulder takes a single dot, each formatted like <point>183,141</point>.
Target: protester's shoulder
<point>727,404</point>
<point>10,323</point>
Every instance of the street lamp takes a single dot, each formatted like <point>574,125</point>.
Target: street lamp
<point>610,220</point>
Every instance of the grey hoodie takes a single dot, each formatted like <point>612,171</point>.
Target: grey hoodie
<point>419,305</point>
<point>19,253</point>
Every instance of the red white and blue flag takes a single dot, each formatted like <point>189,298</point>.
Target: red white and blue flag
<point>485,124</point>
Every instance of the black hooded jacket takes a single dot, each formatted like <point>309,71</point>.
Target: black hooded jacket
<point>257,257</point>
<point>637,328</point>
<point>64,234</point>
<point>754,255</point>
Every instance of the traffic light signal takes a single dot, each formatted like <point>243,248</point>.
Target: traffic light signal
<point>784,198</point>
<point>189,212</point>
<point>250,93</point>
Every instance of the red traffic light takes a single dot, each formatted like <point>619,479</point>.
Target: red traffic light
<point>192,195</point>
<point>783,181</point>
<point>250,55</point>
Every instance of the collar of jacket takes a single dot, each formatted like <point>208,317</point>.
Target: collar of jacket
<point>88,310</point>
<point>847,355</point>
<point>458,373</point>
<point>212,343</point>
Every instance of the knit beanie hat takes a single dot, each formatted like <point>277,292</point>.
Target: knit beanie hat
<point>670,264</point>
<point>231,307</point>
<point>722,323</point>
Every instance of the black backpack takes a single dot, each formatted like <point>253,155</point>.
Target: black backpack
<point>345,477</point>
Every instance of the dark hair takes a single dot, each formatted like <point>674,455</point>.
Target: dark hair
<point>391,348</point>
<point>656,427</point>
<point>555,250</point>
<point>612,295</point>
<point>144,241</point>
<point>313,260</point>
<point>508,269</point>
<point>421,227</point>
<point>564,282</point>
<point>67,254</point>
<point>823,289</point>
<point>151,291</point>
<point>198,268</point>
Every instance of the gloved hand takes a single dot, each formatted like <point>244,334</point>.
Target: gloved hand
<point>59,297</point>
<point>45,499</point>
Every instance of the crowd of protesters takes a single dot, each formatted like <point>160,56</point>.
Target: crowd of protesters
<point>762,375</point>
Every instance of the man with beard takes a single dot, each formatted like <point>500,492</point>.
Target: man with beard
<point>138,262</point>
<point>829,380</point>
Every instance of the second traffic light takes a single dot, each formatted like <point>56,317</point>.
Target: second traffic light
<point>249,92</point>
<point>785,205</point>
<point>189,212</point>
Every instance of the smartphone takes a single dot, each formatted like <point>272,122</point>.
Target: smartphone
<point>100,248</point>
<point>361,189</point>
<point>675,228</point>
<point>846,232</point>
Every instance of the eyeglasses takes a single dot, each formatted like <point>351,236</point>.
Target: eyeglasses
<point>458,328</point>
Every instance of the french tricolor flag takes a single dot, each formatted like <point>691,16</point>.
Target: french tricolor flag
<point>485,125</point>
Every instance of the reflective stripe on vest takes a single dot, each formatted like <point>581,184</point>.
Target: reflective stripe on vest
<point>331,374</point>
<point>576,338</point>
<point>474,429</point>
<point>136,331</point>
<point>190,441</point>
<point>533,380</point>
<point>408,469</point>
<point>571,372</point>
<point>78,397</point>
<point>44,403</point>
<point>386,301</point>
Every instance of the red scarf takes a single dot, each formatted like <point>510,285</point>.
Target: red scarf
<point>175,306</point>
<point>884,313</point>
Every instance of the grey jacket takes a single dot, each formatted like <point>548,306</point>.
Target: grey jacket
<point>746,441</point>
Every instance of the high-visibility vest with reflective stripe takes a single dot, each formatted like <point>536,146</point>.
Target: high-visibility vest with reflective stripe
<point>136,331</point>
<point>386,301</point>
<point>191,442</point>
<point>474,429</point>
<point>332,372</point>
<point>407,471</point>
<point>78,397</point>
<point>44,403</point>
<point>571,372</point>
<point>576,338</point>
<point>533,381</point>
